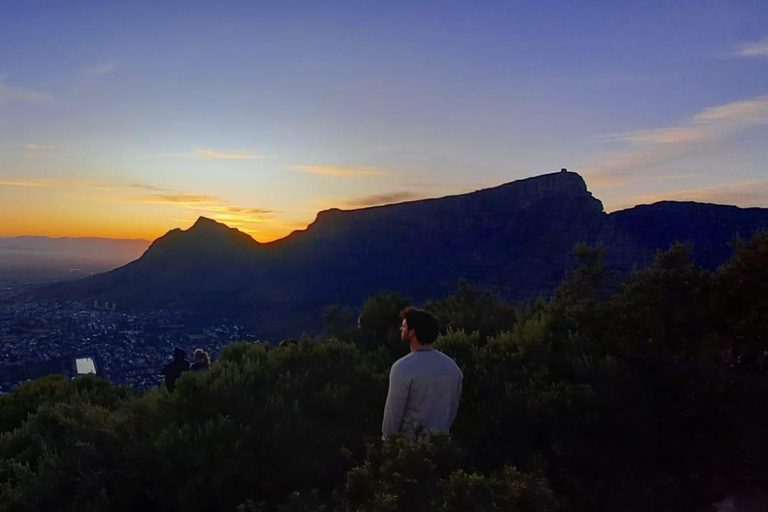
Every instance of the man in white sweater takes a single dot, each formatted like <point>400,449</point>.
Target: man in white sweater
<point>425,385</point>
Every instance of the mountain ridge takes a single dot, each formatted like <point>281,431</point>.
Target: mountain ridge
<point>516,239</point>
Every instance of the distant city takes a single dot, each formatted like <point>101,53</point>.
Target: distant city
<point>71,338</point>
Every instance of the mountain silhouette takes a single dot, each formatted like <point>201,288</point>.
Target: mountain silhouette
<point>516,239</point>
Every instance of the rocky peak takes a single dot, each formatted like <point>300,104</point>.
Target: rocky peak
<point>205,237</point>
<point>557,190</point>
<point>206,223</point>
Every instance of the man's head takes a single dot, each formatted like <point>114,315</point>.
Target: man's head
<point>419,326</point>
<point>179,354</point>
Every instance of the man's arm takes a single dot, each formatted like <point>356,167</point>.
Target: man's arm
<point>456,399</point>
<point>397,397</point>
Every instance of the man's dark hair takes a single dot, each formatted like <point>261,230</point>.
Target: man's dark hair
<point>422,322</point>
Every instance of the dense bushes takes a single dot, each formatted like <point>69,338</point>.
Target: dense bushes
<point>646,395</point>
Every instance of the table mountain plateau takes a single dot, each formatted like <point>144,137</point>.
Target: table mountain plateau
<point>516,239</point>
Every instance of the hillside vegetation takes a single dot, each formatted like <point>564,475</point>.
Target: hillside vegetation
<point>647,394</point>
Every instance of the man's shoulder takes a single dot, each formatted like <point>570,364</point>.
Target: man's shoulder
<point>445,357</point>
<point>417,361</point>
<point>407,364</point>
<point>402,362</point>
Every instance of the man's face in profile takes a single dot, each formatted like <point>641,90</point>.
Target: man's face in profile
<point>405,332</point>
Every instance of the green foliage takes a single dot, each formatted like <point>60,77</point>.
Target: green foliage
<point>741,300</point>
<point>63,454</point>
<point>380,322</point>
<point>400,476</point>
<point>340,322</point>
<point>473,309</point>
<point>645,396</point>
<point>16,406</point>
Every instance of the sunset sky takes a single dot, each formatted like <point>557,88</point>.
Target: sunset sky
<point>127,119</point>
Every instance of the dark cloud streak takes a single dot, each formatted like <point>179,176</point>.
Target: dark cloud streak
<point>379,199</point>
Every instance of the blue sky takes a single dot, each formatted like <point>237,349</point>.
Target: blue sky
<point>127,119</point>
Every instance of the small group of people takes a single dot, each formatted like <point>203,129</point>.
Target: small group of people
<point>173,370</point>
<point>424,386</point>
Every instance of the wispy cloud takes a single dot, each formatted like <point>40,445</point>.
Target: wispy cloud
<point>201,204</point>
<point>144,186</point>
<point>30,183</point>
<point>181,199</point>
<point>754,49</point>
<point>241,210</point>
<point>701,132</point>
<point>9,93</point>
<point>330,170</point>
<point>121,186</point>
<point>243,155</point>
<point>104,68</point>
<point>32,146</point>
<point>745,194</point>
<point>210,154</point>
<point>378,199</point>
<point>659,136</point>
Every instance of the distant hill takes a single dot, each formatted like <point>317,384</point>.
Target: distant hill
<point>709,228</point>
<point>516,239</point>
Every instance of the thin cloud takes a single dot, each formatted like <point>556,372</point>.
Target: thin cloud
<point>9,93</point>
<point>378,199</point>
<point>745,194</point>
<point>179,199</point>
<point>330,170</point>
<point>702,132</point>
<point>144,186</point>
<point>210,205</point>
<point>29,183</point>
<point>241,210</point>
<point>658,136</point>
<point>38,147</point>
<point>109,186</point>
<point>211,154</point>
<point>237,219</point>
<point>104,68</point>
<point>758,49</point>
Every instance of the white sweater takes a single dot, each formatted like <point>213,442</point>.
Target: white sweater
<point>424,392</point>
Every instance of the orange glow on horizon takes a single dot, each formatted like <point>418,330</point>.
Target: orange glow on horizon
<point>267,231</point>
<point>74,210</point>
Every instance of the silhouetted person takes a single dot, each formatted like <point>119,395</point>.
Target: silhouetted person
<point>425,385</point>
<point>287,343</point>
<point>201,361</point>
<point>175,368</point>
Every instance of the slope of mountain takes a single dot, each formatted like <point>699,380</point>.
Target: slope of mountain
<point>516,239</point>
<point>182,269</point>
<point>708,228</point>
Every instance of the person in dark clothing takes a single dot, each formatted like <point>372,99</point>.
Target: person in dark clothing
<point>175,368</point>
